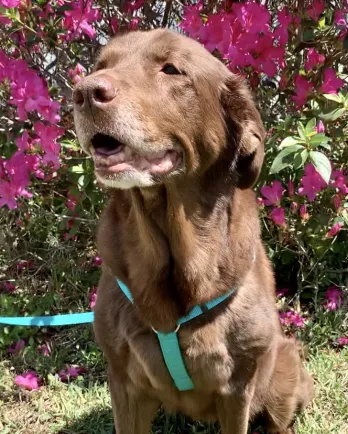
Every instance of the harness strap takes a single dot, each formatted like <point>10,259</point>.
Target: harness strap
<point>169,342</point>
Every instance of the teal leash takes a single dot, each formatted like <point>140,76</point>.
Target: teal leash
<point>48,321</point>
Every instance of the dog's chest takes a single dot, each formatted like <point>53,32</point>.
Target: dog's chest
<point>206,358</point>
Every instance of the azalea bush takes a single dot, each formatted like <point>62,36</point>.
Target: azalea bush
<point>293,53</point>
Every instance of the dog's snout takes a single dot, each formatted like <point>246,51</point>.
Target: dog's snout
<point>93,91</point>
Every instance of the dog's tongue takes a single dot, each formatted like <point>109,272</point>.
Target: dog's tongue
<point>106,151</point>
<point>156,164</point>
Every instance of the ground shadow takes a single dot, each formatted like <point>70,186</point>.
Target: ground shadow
<point>100,421</point>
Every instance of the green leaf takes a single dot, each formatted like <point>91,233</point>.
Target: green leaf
<point>332,116</point>
<point>301,131</point>
<point>308,35</point>
<point>300,159</point>
<point>285,158</point>
<point>321,23</point>
<point>323,145</point>
<point>77,169</point>
<point>345,43</point>
<point>81,181</point>
<point>287,122</point>
<point>333,97</point>
<point>322,164</point>
<point>310,126</point>
<point>318,139</point>
<point>289,141</point>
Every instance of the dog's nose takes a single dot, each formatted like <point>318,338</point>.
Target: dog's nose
<point>93,91</point>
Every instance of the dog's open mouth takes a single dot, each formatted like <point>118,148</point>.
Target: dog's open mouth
<point>111,156</point>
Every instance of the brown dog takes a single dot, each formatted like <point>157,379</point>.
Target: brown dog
<point>178,139</point>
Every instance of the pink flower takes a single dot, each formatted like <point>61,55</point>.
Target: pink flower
<point>337,202</point>
<point>283,81</point>
<point>134,23</point>
<point>238,51</point>
<point>339,181</point>
<point>334,230</point>
<point>334,299</point>
<point>278,216</point>
<point>7,4</point>
<point>303,212</point>
<point>294,207</point>
<point>76,73</point>
<point>132,6</point>
<point>320,128</point>
<point>312,183</point>
<point>341,22</point>
<point>47,138</point>
<point>281,32</point>
<point>331,83</point>
<point>302,89</point>
<point>30,380</point>
<point>93,297</point>
<point>216,33</point>
<point>252,16</point>
<point>44,350</point>
<point>8,193</point>
<point>282,292</point>
<point>4,21</point>
<point>342,341</point>
<point>316,9</point>
<point>23,264</point>
<point>273,194</point>
<point>9,286</point>
<point>97,261</point>
<point>71,372</point>
<point>29,92</point>
<point>266,55</point>
<point>78,20</point>
<point>114,24</point>
<point>340,18</point>
<point>314,59</point>
<point>23,142</point>
<point>259,201</point>
<point>291,318</point>
<point>73,200</point>
<point>17,347</point>
<point>192,22</point>
<point>296,21</point>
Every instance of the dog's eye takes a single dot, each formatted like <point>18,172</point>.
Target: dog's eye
<point>170,69</point>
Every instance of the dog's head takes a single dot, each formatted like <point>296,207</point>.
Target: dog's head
<point>158,107</point>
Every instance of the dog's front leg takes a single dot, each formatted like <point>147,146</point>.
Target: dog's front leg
<point>133,413</point>
<point>233,411</point>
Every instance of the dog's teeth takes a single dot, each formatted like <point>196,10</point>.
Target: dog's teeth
<point>160,154</point>
<point>128,153</point>
<point>157,156</point>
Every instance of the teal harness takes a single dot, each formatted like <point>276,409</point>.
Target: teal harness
<point>169,342</point>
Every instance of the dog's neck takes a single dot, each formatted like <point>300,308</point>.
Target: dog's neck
<point>185,247</point>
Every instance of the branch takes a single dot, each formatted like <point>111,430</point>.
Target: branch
<point>166,13</point>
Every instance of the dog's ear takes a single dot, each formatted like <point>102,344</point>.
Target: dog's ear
<point>244,130</point>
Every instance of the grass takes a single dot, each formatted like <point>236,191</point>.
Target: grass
<point>84,405</point>
<point>58,280</point>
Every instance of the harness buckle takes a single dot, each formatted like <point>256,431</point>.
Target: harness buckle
<point>175,331</point>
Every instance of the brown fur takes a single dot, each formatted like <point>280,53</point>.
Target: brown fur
<point>185,240</point>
